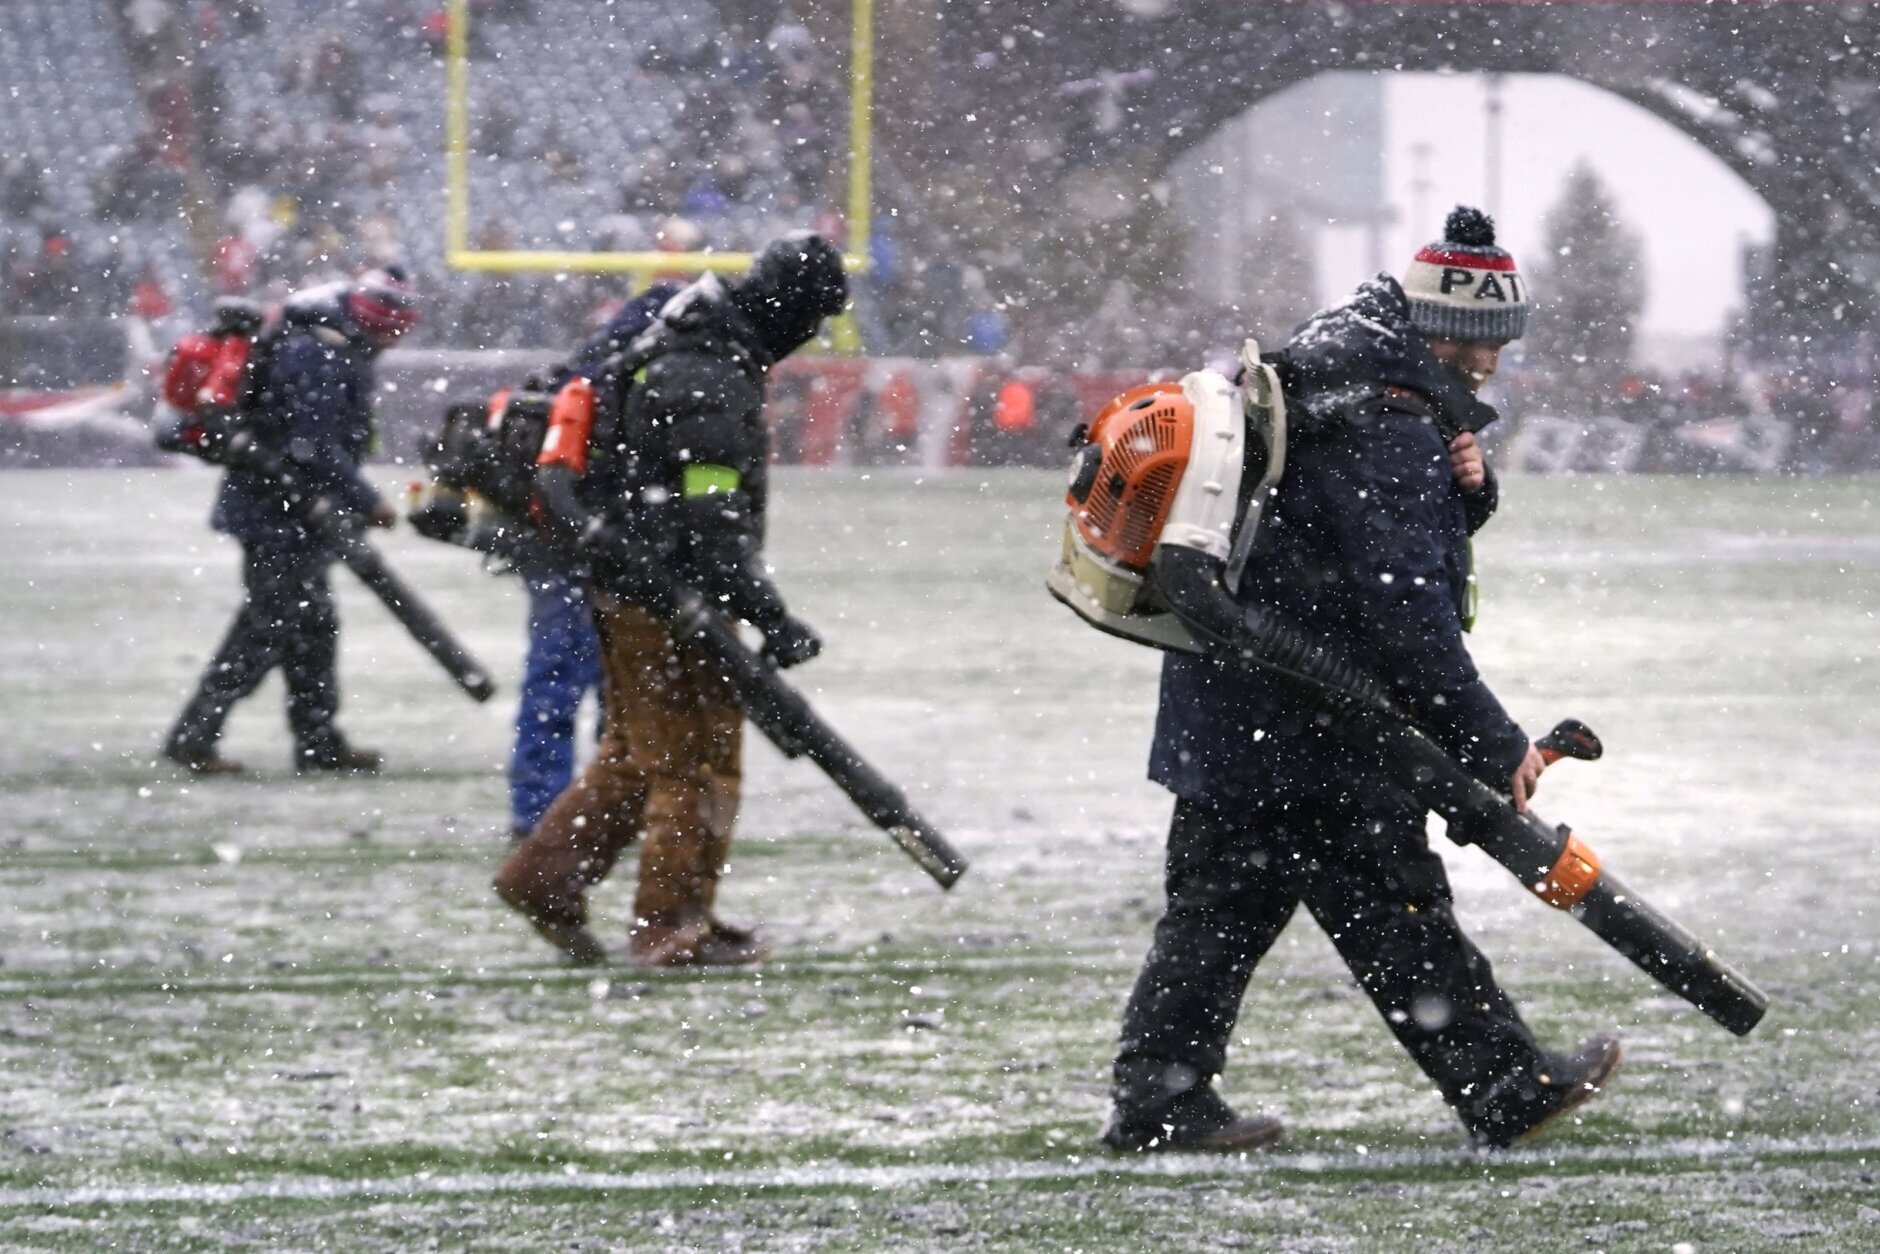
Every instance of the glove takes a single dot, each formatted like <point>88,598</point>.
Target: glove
<point>791,641</point>
<point>440,519</point>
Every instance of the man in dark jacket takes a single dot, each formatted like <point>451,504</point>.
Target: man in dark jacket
<point>563,662</point>
<point>310,399</point>
<point>1368,551</point>
<point>683,489</point>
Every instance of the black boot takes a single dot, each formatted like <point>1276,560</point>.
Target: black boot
<point>340,758</point>
<point>1520,1107</point>
<point>202,762</point>
<point>1170,1106</point>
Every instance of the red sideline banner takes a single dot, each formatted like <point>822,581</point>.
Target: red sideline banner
<point>963,411</point>
<point>18,402</point>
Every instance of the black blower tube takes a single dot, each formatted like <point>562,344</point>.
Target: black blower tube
<point>344,533</point>
<point>781,713</point>
<point>1548,860</point>
<point>774,707</point>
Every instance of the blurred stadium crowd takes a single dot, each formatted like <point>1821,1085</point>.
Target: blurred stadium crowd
<point>157,153</point>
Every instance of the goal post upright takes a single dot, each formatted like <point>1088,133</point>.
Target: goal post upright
<point>456,132</point>
<point>642,266</point>
<point>861,129</point>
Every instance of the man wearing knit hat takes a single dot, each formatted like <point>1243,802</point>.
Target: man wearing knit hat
<point>1366,548</point>
<point>1469,301</point>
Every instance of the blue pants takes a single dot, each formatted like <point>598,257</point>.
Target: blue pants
<point>562,667</point>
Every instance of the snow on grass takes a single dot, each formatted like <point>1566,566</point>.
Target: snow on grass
<point>285,1012</point>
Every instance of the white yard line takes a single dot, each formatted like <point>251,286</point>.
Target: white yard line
<point>1745,1152</point>
<point>54,986</point>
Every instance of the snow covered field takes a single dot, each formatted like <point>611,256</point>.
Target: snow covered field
<point>273,1013</point>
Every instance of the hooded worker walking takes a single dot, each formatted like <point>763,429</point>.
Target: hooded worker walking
<point>308,396</point>
<point>1365,550</point>
<point>681,491</point>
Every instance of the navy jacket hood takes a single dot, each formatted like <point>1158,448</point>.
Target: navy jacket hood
<point>1341,354</point>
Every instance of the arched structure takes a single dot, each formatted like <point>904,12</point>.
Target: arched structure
<point>1788,95</point>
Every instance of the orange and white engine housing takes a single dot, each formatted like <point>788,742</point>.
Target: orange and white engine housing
<point>1163,465</point>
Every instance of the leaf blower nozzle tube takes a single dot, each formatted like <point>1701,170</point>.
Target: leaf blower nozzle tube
<point>343,532</point>
<point>781,713</point>
<point>1562,870</point>
<point>773,706</point>
<point>1189,583</point>
<point>1554,863</point>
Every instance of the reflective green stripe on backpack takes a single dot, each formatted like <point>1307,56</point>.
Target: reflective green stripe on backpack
<point>705,479</point>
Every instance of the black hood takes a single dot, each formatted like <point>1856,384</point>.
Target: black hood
<point>1341,354</point>
<point>794,284</point>
<point>704,317</point>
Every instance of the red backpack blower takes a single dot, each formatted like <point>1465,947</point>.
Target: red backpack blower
<point>208,378</point>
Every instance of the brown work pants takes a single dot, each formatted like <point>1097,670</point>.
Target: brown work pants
<point>667,769</point>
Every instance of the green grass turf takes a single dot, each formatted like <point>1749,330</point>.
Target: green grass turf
<point>283,1013</point>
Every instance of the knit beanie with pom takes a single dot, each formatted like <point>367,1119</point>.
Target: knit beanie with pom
<point>1463,287</point>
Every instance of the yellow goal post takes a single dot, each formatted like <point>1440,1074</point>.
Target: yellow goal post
<point>642,266</point>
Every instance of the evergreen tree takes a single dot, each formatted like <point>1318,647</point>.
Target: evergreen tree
<point>1588,289</point>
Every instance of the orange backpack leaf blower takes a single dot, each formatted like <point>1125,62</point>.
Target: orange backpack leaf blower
<point>1168,486</point>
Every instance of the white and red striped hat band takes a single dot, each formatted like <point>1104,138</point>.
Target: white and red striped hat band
<point>383,303</point>
<point>1463,287</point>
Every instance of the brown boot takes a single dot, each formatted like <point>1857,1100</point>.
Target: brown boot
<point>573,847</point>
<point>699,943</point>
<point>736,946</point>
<point>210,763</point>
<point>652,944</point>
<point>566,930</point>
<point>346,761</point>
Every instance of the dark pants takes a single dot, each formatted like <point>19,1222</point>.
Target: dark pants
<point>287,620</point>
<point>1365,871</point>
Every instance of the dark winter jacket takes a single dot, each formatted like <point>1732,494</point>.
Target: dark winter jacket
<point>534,559</point>
<point>312,401</point>
<point>621,330</point>
<point>686,474</point>
<point>1366,549</point>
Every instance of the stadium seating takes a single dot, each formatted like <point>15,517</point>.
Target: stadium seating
<point>72,112</point>
<point>321,134</point>
<point>606,85</point>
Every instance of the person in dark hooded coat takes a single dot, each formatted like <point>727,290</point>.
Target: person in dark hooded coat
<point>310,399</point>
<point>683,490</point>
<point>563,661</point>
<point>1366,548</point>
